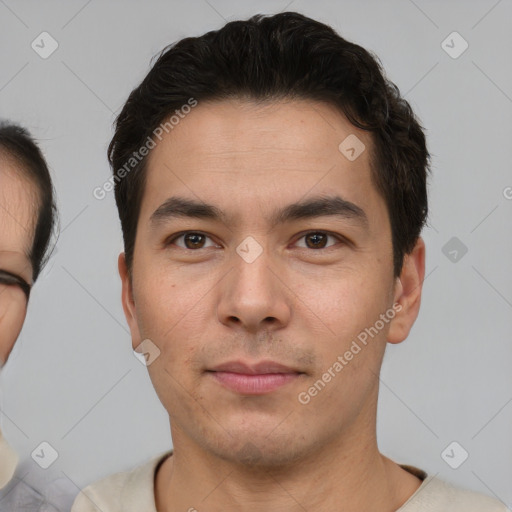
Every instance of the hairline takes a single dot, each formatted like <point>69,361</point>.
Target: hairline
<point>263,103</point>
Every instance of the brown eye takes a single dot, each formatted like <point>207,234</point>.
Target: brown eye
<point>190,240</point>
<point>194,240</point>
<point>317,239</point>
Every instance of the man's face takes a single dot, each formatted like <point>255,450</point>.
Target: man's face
<point>17,213</point>
<point>246,289</point>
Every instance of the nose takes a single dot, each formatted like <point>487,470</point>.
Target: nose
<point>254,295</point>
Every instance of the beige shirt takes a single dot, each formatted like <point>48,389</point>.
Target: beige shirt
<point>133,491</point>
<point>8,462</point>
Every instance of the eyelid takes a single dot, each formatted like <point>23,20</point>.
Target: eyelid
<point>10,279</point>
<point>338,237</point>
<point>169,241</point>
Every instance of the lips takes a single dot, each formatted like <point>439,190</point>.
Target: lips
<point>254,379</point>
<point>261,368</point>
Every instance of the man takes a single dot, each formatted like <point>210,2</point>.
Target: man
<point>271,186</point>
<point>27,218</point>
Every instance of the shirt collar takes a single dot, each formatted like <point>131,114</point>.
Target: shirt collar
<point>139,491</point>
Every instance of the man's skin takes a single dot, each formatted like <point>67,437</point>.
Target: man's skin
<point>295,304</point>
<point>18,203</point>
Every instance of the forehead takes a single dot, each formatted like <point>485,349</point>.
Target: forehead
<point>18,200</point>
<point>239,154</point>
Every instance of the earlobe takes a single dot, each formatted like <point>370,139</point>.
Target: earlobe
<point>407,293</point>
<point>128,301</point>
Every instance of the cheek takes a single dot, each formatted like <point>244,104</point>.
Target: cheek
<point>171,313</point>
<point>348,302</point>
<point>349,358</point>
<point>348,321</point>
<point>12,315</point>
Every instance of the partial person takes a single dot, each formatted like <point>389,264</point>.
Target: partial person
<point>27,221</point>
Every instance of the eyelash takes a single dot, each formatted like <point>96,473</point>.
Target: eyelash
<point>8,279</point>
<point>175,237</point>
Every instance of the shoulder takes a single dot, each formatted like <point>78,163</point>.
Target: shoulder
<point>124,491</point>
<point>31,492</point>
<point>435,494</point>
<point>103,495</point>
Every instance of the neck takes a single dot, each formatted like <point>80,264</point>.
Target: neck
<point>349,471</point>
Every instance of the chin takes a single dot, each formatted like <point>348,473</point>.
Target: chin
<point>259,452</point>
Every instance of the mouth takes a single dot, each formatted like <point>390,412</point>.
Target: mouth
<point>254,379</point>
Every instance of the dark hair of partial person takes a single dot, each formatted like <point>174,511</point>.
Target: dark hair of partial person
<point>17,142</point>
<point>285,56</point>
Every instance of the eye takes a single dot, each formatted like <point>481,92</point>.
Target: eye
<point>318,239</point>
<point>191,239</point>
<point>9,279</point>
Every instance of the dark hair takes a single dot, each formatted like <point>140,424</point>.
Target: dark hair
<point>18,144</point>
<point>269,58</point>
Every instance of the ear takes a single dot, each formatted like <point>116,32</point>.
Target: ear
<point>407,293</point>
<point>128,301</point>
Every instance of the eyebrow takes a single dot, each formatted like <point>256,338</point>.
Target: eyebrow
<point>320,206</point>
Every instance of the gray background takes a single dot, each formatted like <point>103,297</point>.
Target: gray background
<point>73,380</point>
